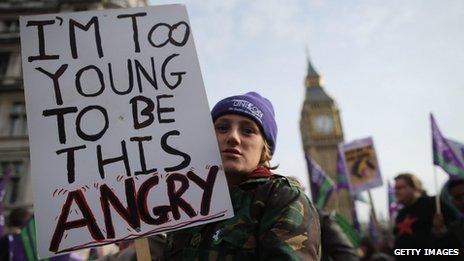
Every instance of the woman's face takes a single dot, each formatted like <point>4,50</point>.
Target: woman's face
<point>240,143</point>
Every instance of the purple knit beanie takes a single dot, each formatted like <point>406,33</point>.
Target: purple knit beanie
<point>253,106</point>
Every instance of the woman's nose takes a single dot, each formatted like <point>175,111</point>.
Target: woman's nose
<point>233,137</point>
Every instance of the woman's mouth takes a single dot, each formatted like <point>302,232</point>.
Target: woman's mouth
<point>232,151</point>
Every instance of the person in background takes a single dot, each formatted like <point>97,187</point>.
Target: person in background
<point>455,188</point>
<point>335,244</point>
<point>415,221</point>
<point>17,219</point>
<point>19,245</point>
<point>274,220</point>
<point>453,235</point>
<point>370,252</point>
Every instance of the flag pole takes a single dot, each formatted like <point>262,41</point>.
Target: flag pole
<point>373,212</point>
<point>372,205</point>
<point>337,201</point>
<point>437,190</point>
<point>390,219</point>
<point>142,249</point>
<point>434,148</point>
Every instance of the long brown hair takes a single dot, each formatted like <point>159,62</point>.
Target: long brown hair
<point>412,181</point>
<point>266,157</point>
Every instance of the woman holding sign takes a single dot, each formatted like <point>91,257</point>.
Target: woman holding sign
<point>273,217</point>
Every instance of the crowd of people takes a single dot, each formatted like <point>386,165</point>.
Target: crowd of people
<point>275,220</point>
<point>421,225</point>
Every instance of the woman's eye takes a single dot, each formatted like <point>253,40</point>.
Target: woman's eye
<point>221,128</point>
<point>249,131</point>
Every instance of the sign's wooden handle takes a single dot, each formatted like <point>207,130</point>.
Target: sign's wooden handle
<point>142,249</point>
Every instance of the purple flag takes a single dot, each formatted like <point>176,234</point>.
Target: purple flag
<point>321,185</point>
<point>447,154</point>
<point>393,206</point>
<point>342,177</point>
<point>3,182</point>
<point>352,234</point>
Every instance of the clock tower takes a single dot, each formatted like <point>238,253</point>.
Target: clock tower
<point>321,132</point>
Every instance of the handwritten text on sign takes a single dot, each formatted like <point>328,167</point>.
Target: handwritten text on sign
<point>121,138</point>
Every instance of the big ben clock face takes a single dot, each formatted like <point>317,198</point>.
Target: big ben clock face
<point>323,124</point>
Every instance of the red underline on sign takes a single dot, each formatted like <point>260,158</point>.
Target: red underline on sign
<point>156,230</point>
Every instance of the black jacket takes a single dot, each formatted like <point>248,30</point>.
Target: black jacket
<point>413,226</point>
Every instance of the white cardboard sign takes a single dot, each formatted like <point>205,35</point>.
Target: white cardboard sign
<point>121,139</point>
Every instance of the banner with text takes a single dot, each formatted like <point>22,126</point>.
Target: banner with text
<point>121,139</point>
<point>361,164</point>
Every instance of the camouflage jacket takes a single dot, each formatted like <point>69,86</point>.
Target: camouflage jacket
<point>274,220</point>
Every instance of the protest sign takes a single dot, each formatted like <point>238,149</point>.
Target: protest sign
<point>121,139</point>
<point>361,164</point>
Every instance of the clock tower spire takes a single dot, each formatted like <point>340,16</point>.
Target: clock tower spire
<point>312,77</point>
<point>321,132</point>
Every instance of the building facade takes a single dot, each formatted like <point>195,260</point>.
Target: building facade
<point>14,149</point>
<point>321,132</point>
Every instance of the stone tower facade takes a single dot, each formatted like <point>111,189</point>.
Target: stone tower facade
<point>321,132</point>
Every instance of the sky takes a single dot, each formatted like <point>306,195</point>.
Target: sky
<point>388,65</point>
